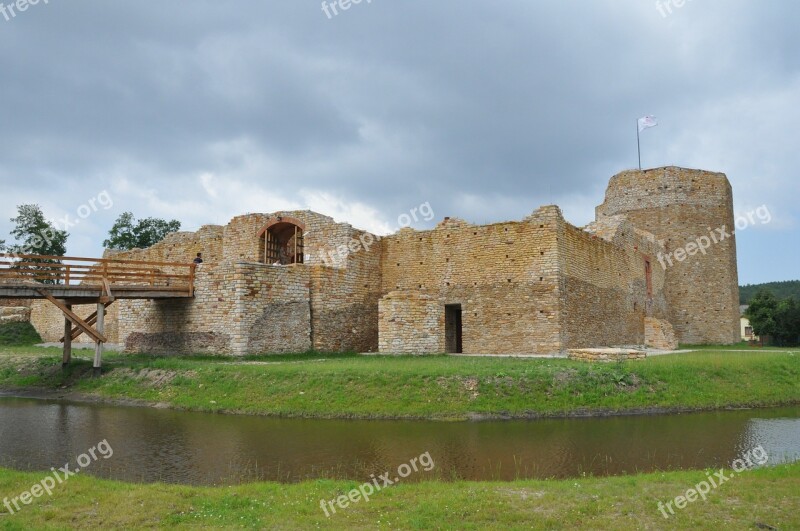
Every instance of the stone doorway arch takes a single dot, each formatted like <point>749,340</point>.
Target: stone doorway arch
<point>281,241</point>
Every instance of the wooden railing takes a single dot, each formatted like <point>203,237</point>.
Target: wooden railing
<point>91,272</point>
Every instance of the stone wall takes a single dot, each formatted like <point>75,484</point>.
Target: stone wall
<point>49,321</point>
<point>536,286</point>
<point>175,326</point>
<point>180,247</point>
<point>239,308</point>
<point>605,355</point>
<point>504,275</point>
<point>659,334</point>
<point>272,310</point>
<point>410,322</point>
<point>15,314</point>
<point>321,238</point>
<point>204,324</point>
<point>679,206</point>
<point>344,299</point>
<point>242,306</point>
<point>605,292</point>
<point>539,285</point>
<point>15,303</point>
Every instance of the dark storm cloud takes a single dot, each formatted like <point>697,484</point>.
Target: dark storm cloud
<point>487,110</point>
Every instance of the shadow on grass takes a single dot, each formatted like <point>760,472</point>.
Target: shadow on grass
<point>221,358</point>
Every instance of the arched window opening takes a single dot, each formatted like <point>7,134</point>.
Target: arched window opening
<point>281,242</point>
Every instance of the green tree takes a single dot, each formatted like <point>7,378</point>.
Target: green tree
<point>787,322</point>
<point>127,233</point>
<point>35,235</point>
<point>761,313</point>
<point>121,234</point>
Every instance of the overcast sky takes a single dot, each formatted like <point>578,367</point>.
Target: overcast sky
<point>204,110</point>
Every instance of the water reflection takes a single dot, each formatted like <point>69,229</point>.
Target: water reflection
<point>177,447</point>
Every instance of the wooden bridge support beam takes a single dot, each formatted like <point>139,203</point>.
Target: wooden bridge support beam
<point>67,357</point>
<point>98,349</point>
<point>76,332</point>
<point>77,321</point>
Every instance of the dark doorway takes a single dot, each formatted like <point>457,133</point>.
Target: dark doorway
<point>452,328</point>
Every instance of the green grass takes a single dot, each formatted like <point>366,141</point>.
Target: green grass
<point>18,334</point>
<point>744,345</point>
<point>764,497</point>
<point>441,387</point>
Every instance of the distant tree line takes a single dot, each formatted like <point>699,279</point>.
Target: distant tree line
<point>782,290</point>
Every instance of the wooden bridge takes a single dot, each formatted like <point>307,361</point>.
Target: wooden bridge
<point>67,281</point>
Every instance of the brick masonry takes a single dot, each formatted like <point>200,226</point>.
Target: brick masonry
<point>14,314</point>
<point>606,355</point>
<point>539,285</point>
<point>678,205</point>
<point>659,334</point>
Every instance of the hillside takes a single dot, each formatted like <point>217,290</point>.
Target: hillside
<point>782,290</point>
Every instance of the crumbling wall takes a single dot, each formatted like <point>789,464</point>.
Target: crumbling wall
<point>15,314</point>
<point>504,275</point>
<point>242,306</point>
<point>344,298</point>
<point>605,287</point>
<point>272,309</point>
<point>178,326</point>
<point>179,247</point>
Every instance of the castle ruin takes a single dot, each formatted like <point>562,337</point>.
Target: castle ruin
<point>290,282</point>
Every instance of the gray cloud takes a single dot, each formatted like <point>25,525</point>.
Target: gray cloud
<point>487,110</point>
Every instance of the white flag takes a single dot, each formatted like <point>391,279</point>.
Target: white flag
<point>647,122</point>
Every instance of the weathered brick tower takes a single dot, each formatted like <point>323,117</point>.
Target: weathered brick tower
<point>691,211</point>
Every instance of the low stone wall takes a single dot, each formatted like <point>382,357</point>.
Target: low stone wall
<point>659,334</point>
<point>605,354</point>
<point>15,303</point>
<point>15,314</point>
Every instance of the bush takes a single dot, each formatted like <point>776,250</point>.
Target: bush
<point>18,334</point>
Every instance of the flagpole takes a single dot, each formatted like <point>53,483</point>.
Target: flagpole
<point>638,145</point>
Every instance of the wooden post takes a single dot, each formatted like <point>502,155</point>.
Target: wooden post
<point>67,358</point>
<point>98,349</point>
<point>192,270</point>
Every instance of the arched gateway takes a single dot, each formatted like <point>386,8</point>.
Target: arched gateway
<point>281,241</point>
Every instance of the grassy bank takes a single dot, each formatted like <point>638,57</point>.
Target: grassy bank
<point>430,387</point>
<point>18,335</point>
<point>752,499</point>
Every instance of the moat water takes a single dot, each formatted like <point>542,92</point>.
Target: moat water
<point>151,445</point>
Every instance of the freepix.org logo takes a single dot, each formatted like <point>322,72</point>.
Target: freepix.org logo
<point>714,236</point>
<point>335,7</point>
<point>11,10</point>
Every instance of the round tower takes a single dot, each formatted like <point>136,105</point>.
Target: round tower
<point>691,213</point>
